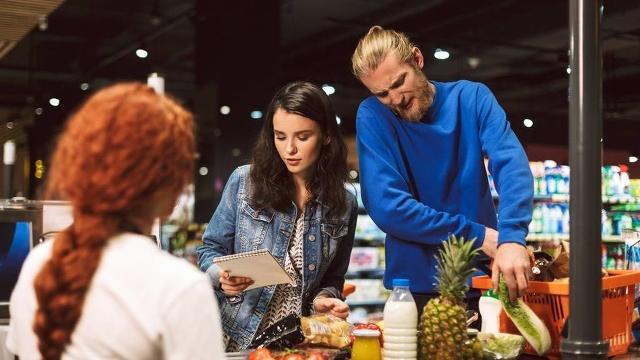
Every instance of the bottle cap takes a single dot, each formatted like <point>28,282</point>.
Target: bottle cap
<point>400,282</point>
<point>366,332</point>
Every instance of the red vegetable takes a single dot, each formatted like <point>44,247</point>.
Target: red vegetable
<point>261,354</point>
<point>315,356</point>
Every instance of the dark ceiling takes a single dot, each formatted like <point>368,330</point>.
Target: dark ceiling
<point>518,48</point>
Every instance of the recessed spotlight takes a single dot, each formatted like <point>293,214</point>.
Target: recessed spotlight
<point>142,53</point>
<point>568,69</point>
<point>203,171</point>
<point>441,54</point>
<point>633,159</point>
<point>328,89</point>
<point>54,101</point>
<point>528,122</point>
<point>38,111</point>
<point>338,120</point>
<point>256,114</point>
<point>225,110</point>
<point>84,86</point>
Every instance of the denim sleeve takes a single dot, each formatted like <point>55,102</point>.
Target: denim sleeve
<point>218,238</point>
<point>332,282</point>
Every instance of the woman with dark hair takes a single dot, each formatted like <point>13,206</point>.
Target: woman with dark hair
<point>292,201</point>
<point>102,289</point>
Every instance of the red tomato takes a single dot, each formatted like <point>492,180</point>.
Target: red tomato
<point>261,354</point>
<point>315,356</point>
<point>293,357</point>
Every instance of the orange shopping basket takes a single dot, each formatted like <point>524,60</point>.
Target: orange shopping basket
<point>550,301</point>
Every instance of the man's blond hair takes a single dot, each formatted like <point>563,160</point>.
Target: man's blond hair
<point>375,46</point>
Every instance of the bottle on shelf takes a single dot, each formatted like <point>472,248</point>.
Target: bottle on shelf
<point>400,323</point>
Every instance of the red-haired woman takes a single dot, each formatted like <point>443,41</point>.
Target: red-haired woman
<point>102,289</point>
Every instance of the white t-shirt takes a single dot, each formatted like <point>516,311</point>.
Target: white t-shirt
<point>142,304</point>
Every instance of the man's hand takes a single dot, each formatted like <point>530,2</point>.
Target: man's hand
<point>233,285</point>
<point>490,243</point>
<point>333,306</point>
<point>513,262</point>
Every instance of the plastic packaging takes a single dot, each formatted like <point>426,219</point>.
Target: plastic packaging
<point>322,330</point>
<point>400,323</point>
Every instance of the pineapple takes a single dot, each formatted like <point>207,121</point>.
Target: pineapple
<point>443,329</point>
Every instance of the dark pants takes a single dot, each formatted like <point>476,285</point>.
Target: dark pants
<point>472,304</point>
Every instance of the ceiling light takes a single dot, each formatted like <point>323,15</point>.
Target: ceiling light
<point>142,53</point>
<point>633,159</point>
<point>328,89</point>
<point>528,123</point>
<point>256,114</point>
<point>225,110</point>
<point>338,120</point>
<point>441,54</point>
<point>54,101</point>
<point>38,111</point>
<point>473,62</point>
<point>203,171</point>
<point>84,86</point>
<point>568,69</point>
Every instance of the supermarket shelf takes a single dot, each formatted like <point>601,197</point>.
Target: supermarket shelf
<point>377,302</point>
<point>610,200</point>
<point>366,274</point>
<point>616,239</point>
<point>369,240</point>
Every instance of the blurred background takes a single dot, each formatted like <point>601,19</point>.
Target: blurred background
<point>224,59</point>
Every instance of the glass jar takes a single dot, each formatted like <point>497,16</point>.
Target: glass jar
<point>366,345</point>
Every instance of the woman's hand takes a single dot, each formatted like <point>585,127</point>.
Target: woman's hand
<point>333,306</point>
<point>233,285</point>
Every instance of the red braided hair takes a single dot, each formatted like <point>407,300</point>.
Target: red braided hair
<point>123,146</point>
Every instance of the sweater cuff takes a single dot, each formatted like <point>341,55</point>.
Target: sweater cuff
<point>512,236</point>
<point>477,232</point>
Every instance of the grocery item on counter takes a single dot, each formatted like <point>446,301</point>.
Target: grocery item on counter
<point>366,345</point>
<point>443,330</point>
<point>501,346</point>
<point>297,354</point>
<point>322,330</point>
<point>490,310</point>
<point>527,322</point>
<point>472,346</point>
<point>400,320</point>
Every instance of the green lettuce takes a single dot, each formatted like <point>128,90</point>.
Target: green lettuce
<point>527,322</point>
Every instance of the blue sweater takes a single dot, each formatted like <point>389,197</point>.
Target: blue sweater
<point>425,180</point>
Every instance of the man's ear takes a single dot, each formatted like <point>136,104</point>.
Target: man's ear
<point>417,56</point>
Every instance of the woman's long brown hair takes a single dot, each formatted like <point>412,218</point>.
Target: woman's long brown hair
<point>123,146</point>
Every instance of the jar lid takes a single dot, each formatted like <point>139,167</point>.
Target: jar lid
<point>366,332</point>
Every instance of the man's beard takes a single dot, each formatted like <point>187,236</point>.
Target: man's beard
<point>424,99</point>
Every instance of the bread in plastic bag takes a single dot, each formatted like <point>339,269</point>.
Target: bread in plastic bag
<point>317,330</point>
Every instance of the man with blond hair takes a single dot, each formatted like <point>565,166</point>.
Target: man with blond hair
<point>421,147</point>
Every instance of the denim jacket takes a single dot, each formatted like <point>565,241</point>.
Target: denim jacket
<point>236,226</point>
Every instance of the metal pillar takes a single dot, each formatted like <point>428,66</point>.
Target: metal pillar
<point>585,158</point>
